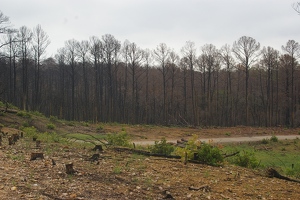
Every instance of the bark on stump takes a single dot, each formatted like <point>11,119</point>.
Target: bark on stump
<point>95,157</point>
<point>98,147</point>
<point>69,168</point>
<point>10,140</point>
<point>35,156</point>
<point>38,143</point>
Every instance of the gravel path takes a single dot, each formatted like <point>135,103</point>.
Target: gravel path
<point>226,139</point>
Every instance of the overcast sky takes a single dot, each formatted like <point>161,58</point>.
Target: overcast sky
<point>151,22</point>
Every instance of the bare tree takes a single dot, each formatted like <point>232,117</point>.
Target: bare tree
<point>228,61</point>
<point>296,7</point>
<point>82,52</point>
<point>148,60</point>
<point>189,51</point>
<point>246,51</point>
<point>111,47</point>
<point>97,57</point>
<point>4,23</point>
<point>40,41</point>
<point>270,62</point>
<point>161,54</point>
<point>136,57</point>
<point>24,38</point>
<point>174,69</point>
<point>70,47</point>
<point>61,59</point>
<point>292,48</point>
<point>211,60</point>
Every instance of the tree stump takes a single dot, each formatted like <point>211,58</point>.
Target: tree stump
<point>10,140</point>
<point>35,155</point>
<point>21,134</point>
<point>53,161</point>
<point>95,157</point>
<point>196,156</point>
<point>38,143</point>
<point>34,138</point>
<point>98,147</point>
<point>69,168</point>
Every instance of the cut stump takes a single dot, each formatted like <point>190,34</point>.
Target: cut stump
<point>98,147</point>
<point>69,168</point>
<point>35,155</point>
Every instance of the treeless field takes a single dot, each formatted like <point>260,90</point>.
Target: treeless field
<point>122,175</point>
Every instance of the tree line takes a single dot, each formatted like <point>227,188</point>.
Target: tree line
<point>105,80</point>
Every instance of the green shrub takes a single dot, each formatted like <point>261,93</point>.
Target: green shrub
<point>118,139</point>
<point>50,126</point>
<point>205,152</point>
<point>190,148</point>
<point>246,159</point>
<point>162,147</point>
<point>209,154</point>
<point>53,118</point>
<point>228,134</point>
<point>1,126</point>
<point>50,137</point>
<point>295,171</point>
<point>36,113</point>
<point>25,124</point>
<point>100,127</point>
<point>85,124</point>
<point>274,139</point>
<point>2,113</point>
<point>265,141</point>
<point>24,114</point>
<point>30,131</point>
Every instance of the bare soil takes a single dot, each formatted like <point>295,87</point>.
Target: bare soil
<point>120,175</point>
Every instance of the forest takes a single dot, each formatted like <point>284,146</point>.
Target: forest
<point>102,79</point>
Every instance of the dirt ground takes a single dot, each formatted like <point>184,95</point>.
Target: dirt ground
<point>122,175</point>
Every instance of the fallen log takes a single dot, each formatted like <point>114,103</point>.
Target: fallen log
<point>229,155</point>
<point>8,110</point>
<point>271,173</point>
<point>145,153</point>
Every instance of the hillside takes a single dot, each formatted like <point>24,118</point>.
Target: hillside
<point>122,175</point>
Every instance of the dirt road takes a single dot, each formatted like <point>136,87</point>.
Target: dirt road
<point>226,139</point>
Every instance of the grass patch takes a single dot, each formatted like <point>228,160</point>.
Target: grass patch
<point>282,155</point>
<point>84,137</point>
<point>24,114</point>
<point>50,126</point>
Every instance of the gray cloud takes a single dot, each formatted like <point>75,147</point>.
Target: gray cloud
<point>150,22</point>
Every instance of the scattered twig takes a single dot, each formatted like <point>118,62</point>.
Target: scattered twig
<point>232,154</point>
<point>206,188</point>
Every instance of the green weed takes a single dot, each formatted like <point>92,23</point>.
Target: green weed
<point>118,139</point>
<point>50,126</point>
<point>162,147</point>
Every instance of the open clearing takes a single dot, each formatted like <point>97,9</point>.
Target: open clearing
<point>121,175</point>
